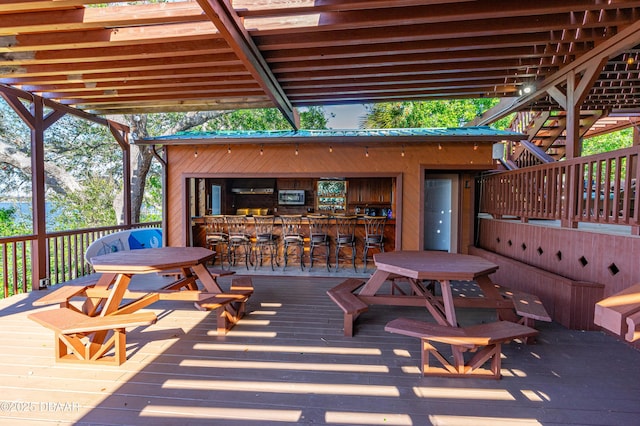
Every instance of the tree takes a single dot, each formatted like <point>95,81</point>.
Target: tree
<point>441,113</point>
<point>83,161</point>
<point>608,142</point>
<point>144,126</point>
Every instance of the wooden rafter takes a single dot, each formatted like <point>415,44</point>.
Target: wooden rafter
<point>205,54</point>
<point>228,23</point>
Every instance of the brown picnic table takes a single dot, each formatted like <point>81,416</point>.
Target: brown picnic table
<point>84,332</point>
<point>421,269</point>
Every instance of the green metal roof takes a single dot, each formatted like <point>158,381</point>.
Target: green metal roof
<point>482,132</point>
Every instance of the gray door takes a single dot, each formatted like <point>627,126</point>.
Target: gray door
<point>440,213</point>
<point>216,203</point>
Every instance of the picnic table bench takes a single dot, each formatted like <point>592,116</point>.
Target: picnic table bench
<point>620,313</point>
<point>485,340</point>
<point>229,307</point>
<point>71,327</point>
<point>351,305</point>
<point>86,331</point>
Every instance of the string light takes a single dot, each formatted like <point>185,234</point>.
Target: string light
<point>195,153</point>
<point>440,147</point>
<point>261,149</point>
<point>402,153</point>
<point>228,149</point>
<point>296,149</point>
<point>475,146</point>
<point>330,148</point>
<point>366,151</point>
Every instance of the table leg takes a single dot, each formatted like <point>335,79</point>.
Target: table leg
<point>93,304</point>
<point>433,305</point>
<point>208,281</point>
<point>111,304</point>
<point>491,292</point>
<point>447,301</point>
<point>372,286</point>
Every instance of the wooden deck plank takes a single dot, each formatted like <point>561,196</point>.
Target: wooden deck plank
<point>286,362</point>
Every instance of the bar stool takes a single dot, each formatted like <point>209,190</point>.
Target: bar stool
<point>239,240</point>
<point>319,237</point>
<point>346,238</point>
<point>292,236</point>
<point>374,235</point>
<point>265,241</point>
<point>216,237</point>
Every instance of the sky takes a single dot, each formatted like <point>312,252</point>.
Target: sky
<point>346,116</point>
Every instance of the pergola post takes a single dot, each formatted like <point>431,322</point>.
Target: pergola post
<point>39,245</point>
<point>35,118</point>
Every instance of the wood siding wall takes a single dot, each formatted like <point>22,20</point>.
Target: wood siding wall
<point>598,257</point>
<point>315,160</point>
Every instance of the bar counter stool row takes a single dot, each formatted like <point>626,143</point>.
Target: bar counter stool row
<point>237,239</point>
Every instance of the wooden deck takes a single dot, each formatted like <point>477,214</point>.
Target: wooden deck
<point>287,362</point>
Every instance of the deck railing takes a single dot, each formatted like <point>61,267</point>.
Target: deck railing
<point>597,189</point>
<point>65,256</point>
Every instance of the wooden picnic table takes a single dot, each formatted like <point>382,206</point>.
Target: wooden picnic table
<point>421,269</point>
<point>109,304</point>
<point>418,267</point>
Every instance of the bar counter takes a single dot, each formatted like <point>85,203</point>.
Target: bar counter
<point>199,237</point>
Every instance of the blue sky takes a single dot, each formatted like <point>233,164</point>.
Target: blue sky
<point>346,116</point>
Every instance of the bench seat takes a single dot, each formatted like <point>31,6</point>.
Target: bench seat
<point>611,313</point>
<point>528,306</point>
<point>342,295</point>
<point>484,340</point>
<point>633,327</point>
<point>63,294</point>
<point>229,306</point>
<point>82,338</point>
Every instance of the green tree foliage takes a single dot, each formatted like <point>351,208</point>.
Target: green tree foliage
<point>608,142</point>
<point>10,225</point>
<point>442,113</point>
<point>90,207</point>
<point>84,163</point>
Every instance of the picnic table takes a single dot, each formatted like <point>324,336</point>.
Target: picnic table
<point>422,269</point>
<point>108,305</point>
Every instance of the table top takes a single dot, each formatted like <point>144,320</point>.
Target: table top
<point>434,265</point>
<point>146,261</point>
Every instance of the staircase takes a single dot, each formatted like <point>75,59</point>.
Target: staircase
<point>546,137</point>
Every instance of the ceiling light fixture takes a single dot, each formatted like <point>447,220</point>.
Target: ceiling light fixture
<point>526,89</point>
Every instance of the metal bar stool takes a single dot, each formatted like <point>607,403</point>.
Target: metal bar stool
<point>265,241</point>
<point>346,238</point>
<point>319,237</point>
<point>239,240</point>
<point>216,237</point>
<point>374,235</point>
<point>292,236</point>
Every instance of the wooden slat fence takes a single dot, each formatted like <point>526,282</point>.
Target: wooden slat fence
<point>596,189</point>
<point>65,256</point>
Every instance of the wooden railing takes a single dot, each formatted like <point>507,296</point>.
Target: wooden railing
<point>597,189</point>
<point>65,256</point>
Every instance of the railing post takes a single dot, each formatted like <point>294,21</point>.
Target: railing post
<point>570,195</point>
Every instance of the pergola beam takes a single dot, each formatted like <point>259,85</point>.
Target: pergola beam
<point>625,39</point>
<point>228,23</point>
